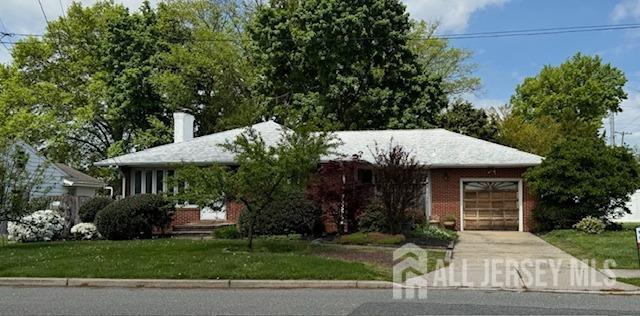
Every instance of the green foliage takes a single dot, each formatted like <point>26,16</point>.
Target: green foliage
<point>373,238</point>
<point>461,117</point>
<point>207,67</point>
<point>90,208</point>
<point>227,232</point>
<point>289,214</point>
<point>134,217</point>
<point>265,173</point>
<point>433,232</point>
<point>373,219</point>
<point>17,182</point>
<point>437,58</point>
<point>578,94</point>
<point>590,225</point>
<point>582,177</point>
<point>38,204</point>
<point>343,65</point>
<point>537,136</point>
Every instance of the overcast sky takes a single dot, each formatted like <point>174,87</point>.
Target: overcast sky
<point>503,62</point>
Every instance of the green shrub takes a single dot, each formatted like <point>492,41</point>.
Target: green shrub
<point>374,238</point>
<point>434,232</point>
<point>293,214</point>
<point>39,204</point>
<point>134,217</point>
<point>226,232</point>
<point>373,219</point>
<point>590,225</point>
<point>89,209</point>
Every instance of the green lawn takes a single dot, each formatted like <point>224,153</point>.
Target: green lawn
<point>617,245</point>
<point>186,259</point>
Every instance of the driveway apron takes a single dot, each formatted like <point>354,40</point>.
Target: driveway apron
<point>516,260</point>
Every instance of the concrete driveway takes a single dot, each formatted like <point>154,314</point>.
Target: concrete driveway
<point>517,260</point>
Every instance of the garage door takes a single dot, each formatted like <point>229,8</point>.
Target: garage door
<point>490,205</point>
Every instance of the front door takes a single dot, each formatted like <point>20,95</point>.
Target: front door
<point>490,205</point>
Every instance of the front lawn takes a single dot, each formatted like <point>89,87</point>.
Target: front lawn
<point>617,245</point>
<point>188,259</point>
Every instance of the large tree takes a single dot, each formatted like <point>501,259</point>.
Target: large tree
<point>87,79</point>
<point>578,94</point>
<point>343,64</point>
<point>208,67</point>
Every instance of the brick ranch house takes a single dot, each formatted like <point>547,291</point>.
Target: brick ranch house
<point>477,182</point>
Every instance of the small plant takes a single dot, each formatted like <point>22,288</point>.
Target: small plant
<point>85,231</point>
<point>89,209</point>
<point>590,225</point>
<point>43,225</point>
<point>227,232</point>
<point>434,232</point>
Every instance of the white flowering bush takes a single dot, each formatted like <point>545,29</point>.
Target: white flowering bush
<point>85,231</point>
<point>45,225</point>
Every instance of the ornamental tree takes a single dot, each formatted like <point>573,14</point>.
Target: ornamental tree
<point>583,177</point>
<point>400,181</point>
<point>264,173</point>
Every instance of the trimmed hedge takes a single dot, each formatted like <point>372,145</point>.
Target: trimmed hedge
<point>89,209</point>
<point>294,214</point>
<point>134,217</point>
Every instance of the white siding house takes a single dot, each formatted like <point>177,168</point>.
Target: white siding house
<point>59,179</point>
<point>634,206</point>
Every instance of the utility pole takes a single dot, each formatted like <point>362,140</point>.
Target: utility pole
<point>612,128</point>
<point>622,139</point>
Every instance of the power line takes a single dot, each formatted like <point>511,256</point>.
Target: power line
<point>42,9</point>
<point>459,36</point>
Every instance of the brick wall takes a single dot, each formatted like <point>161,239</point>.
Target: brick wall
<point>445,188</point>
<point>186,216</point>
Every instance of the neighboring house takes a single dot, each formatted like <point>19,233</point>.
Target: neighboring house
<point>634,206</point>
<point>477,182</point>
<point>59,179</point>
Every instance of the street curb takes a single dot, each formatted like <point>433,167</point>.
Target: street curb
<point>254,284</point>
<point>195,284</point>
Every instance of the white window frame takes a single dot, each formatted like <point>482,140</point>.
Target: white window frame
<point>520,196</point>
<point>154,181</point>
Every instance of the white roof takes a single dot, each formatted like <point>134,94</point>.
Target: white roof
<point>437,148</point>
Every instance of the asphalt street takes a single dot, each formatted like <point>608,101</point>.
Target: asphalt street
<point>119,301</point>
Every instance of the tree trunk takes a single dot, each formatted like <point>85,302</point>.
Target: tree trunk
<point>251,233</point>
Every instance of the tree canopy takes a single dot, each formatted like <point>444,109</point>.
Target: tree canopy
<point>343,65</point>
<point>461,117</point>
<point>578,94</point>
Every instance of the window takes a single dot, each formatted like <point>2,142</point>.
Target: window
<point>170,175</point>
<point>148,182</point>
<point>160,181</point>
<point>137,182</point>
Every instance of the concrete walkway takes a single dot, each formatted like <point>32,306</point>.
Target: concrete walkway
<point>517,260</point>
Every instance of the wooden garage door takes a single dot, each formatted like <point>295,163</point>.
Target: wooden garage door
<point>490,205</point>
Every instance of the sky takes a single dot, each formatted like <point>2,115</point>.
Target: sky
<point>503,63</point>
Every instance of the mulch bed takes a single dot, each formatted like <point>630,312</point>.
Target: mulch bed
<point>380,257</point>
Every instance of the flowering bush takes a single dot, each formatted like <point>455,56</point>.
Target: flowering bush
<point>85,231</point>
<point>590,225</point>
<point>43,225</point>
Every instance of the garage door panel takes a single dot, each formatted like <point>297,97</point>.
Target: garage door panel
<point>491,206</point>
